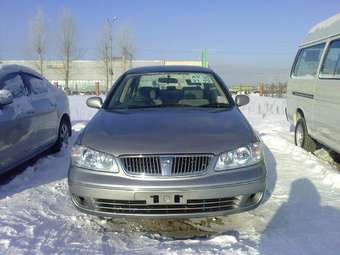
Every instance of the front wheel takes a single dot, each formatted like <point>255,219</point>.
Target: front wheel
<point>63,135</point>
<point>302,138</point>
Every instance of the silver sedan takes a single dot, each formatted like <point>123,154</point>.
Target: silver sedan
<point>168,142</point>
<point>34,116</point>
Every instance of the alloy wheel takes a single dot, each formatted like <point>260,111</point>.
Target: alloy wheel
<point>64,133</point>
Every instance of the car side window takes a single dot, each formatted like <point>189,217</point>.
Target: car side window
<point>308,61</point>
<point>15,85</point>
<point>37,85</point>
<point>331,65</point>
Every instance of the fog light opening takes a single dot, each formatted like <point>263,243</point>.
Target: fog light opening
<point>81,201</point>
<point>254,198</point>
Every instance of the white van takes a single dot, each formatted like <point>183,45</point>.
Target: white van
<point>313,96</point>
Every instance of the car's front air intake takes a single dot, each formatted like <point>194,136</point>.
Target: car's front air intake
<point>174,165</point>
<point>141,207</point>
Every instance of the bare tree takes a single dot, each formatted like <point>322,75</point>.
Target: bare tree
<point>67,43</point>
<point>126,45</point>
<point>105,52</point>
<point>37,40</point>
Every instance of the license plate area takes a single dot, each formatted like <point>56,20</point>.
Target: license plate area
<point>161,198</point>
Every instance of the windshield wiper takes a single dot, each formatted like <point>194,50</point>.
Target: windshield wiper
<point>127,107</point>
<point>174,105</point>
<point>215,105</point>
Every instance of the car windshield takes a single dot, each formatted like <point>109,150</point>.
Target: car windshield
<point>151,90</point>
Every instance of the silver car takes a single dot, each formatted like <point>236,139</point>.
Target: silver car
<point>168,142</point>
<point>34,116</point>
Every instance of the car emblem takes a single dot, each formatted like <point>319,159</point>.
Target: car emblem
<point>166,165</point>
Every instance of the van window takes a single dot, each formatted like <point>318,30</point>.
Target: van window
<point>308,61</point>
<point>331,64</point>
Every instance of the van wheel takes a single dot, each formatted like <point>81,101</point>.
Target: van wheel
<point>63,135</point>
<point>302,138</point>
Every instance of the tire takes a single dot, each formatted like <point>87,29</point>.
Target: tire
<point>63,135</point>
<point>302,138</point>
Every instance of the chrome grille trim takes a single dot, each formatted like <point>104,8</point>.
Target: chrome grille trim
<point>141,207</point>
<point>142,165</point>
<point>182,165</point>
<point>190,164</point>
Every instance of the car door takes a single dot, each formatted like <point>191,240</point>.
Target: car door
<point>16,126</point>
<point>327,97</point>
<point>45,109</point>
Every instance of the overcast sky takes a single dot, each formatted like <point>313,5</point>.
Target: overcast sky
<point>247,41</point>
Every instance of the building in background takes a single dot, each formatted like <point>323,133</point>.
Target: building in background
<point>86,73</point>
<point>246,89</point>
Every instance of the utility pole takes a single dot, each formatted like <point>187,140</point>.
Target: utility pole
<point>111,22</point>
<point>204,59</point>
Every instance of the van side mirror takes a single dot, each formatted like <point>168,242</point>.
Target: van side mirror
<point>94,102</point>
<point>6,97</point>
<point>242,100</point>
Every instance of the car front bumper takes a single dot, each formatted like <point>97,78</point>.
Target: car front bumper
<point>211,195</point>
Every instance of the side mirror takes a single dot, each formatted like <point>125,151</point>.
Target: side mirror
<point>242,100</point>
<point>94,102</point>
<point>6,97</point>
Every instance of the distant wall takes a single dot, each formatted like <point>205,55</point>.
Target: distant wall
<point>85,73</point>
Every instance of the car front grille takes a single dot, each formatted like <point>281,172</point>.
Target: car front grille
<point>141,207</point>
<point>176,165</point>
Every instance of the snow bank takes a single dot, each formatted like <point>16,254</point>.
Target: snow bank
<point>79,110</point>
<point>265,106</point>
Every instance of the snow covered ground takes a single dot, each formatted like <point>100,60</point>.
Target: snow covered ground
<point>301,214</point>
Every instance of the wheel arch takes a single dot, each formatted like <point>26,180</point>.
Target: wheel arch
<point>298,113</point>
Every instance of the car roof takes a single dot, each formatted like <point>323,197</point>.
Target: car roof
<point>7,69</point>
<point>172,68</point>
<point>323,30</point>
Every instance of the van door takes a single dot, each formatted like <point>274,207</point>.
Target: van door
<point>301,87</point>
<point>327,98</point>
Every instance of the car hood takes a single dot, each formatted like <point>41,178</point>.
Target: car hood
<point>167,131</point>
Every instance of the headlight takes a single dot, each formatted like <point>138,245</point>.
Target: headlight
<point>93,160</point>
<point>243,156</point>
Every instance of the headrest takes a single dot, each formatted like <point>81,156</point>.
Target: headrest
<point>193,92</point>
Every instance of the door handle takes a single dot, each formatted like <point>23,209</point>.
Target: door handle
<point>30,112</point>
